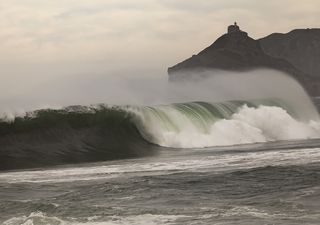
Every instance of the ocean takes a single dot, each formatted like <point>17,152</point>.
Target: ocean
<point>232,162</point>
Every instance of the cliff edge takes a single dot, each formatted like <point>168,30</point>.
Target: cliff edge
<point>236,51</point>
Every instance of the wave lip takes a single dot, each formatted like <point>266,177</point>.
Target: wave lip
<point>89,134</point>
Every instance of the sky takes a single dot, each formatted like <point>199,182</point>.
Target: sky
<point>45,43</point>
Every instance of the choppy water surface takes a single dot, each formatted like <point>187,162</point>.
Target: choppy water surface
<point>267,183</point>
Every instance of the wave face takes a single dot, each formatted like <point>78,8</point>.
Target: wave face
<point>71,135</point>
<point>202,124</point>
<point>88,134</point>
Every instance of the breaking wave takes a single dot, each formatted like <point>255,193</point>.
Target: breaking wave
<point>88,134</point>
<point>194,125</point>
<point>201,124</point>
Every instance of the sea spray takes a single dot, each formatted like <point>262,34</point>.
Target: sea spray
<point>197,125</point>
<point>151,89</point>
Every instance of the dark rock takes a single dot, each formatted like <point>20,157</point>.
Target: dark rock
<point>236,51</point>
<point>301,48</point>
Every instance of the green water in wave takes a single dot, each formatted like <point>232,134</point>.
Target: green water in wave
<point>157,123</point>
<point>202,114</point>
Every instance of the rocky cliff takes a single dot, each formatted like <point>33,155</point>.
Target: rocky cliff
<point>236,51</point>
<point>299,47</point>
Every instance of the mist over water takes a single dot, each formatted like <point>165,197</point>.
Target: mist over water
<point>146,89</point>
<point>137,174</point>
<point>190,113</point>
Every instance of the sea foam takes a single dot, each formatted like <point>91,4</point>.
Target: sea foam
<point>246,125</point>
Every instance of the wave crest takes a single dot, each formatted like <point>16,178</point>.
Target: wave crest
<point>90,134</point>
<point>197,125</point>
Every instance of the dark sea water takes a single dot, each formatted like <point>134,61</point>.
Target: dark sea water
<point>273,183</point>
<point>124,176</point>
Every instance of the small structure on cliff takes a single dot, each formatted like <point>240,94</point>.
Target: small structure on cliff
<point>234,51</point>
<point>233,28</point>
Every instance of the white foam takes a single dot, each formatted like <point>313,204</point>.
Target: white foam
<point>248,125</point>
<point>40,218</point>
<point>166,165</point>
<point>35,218</point>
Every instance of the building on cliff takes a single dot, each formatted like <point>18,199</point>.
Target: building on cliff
<point>233,28</point>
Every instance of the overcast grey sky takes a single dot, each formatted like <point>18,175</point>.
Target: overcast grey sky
<point>42,41</point>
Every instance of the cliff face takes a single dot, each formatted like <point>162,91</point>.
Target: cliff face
<point>299,47</point>
<point>236,51</point>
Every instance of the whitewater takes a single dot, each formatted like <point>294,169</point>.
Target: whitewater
<point>196,125</point>
<point>251,157</point>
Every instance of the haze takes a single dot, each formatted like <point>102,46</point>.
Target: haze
<point>51,50</point>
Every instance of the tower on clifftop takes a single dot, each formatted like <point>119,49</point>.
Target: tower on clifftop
<point>233,28</point>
